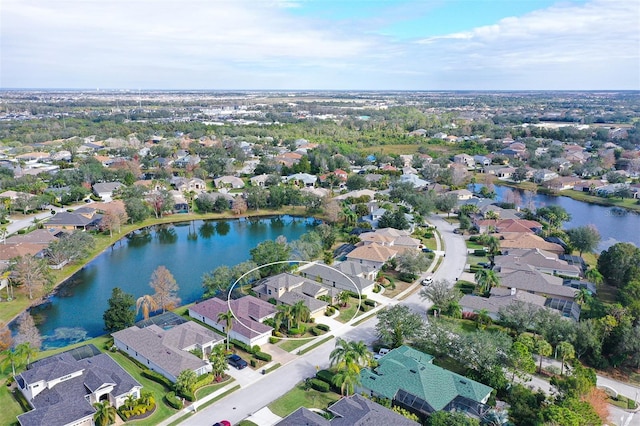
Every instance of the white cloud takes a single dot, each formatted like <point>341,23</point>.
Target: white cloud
<point>260,44</point>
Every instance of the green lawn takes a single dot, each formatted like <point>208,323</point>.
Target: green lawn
<point>292,345</point>
<point>298,397</point>
<point>10,407</point>
<point>473,245</point>
<point>209,389</point>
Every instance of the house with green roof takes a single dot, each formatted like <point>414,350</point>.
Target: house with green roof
<point>410,379</point>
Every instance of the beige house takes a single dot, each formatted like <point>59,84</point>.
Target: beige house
<point>289,289</point>
<point>373,255</point>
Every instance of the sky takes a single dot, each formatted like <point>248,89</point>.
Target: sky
<point>320,44</point>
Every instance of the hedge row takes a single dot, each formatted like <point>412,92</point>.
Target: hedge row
<point>241,345</point>
<point>173,400</point>
<point>325,375</point>
<point>136,411</point>
<point>319,385</point>
<point>157,377</point>
<point>203,380</point>
<point>323,327</point>
<point>371,303</point>
<point>262,356</point>
<point>355,295</point>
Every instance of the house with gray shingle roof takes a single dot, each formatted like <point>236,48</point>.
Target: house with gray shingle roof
<point>354,410</point>
<point>63,389</point>
<point>167,351</point>
<point>289,289</point>
<point>410,379</point>
<point>249,313</point>
<point>105,190</point>
<point>331,277</point>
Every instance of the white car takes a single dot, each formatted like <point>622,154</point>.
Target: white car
<point>381,353</point>
<point>427,281</point>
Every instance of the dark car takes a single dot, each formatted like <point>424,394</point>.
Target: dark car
<point>237,362</point>
<point>427,250</point>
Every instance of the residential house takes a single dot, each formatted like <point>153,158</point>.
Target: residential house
<point>288,289</point>
<point>507,225</point>
<point>410,379</point>
<point>354,410</point>
<point>288,159</point>
<point>166,351</point>
<point>462,194</point>
<point>183,184</point>
<point>527,240</point>
<point>535,259</point>
<point>105,190</point>
<point>229,182</point>
<point>544,175</point>
<point>464,159</point>
<point>187,161</point>
<point>373,255</point>
<point>562,183</point>
<point>535,282</point>
<point>499,298</point>
<point>62,388</point>
<point>259,180</point>
<point>357,194</point>
<point>414,180</point>
<point>332,277</point>
<point>83,218</point>
<point>482,160</point>
<point>302,179</point>
<point>249,312</point>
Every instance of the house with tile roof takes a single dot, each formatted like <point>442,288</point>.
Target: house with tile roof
<point>373,255</point>
<point>526,240</point>
<point>410,379</point>
<point>535,259</point>
<point>355,410</point>
<point>63,388</point>
<point>249,312</point>
<point>167,351</point>
<point>288,289</point>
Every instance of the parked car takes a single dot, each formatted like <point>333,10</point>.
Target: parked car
<point>382,352</point>
<point>485,265</point>
<point>236,361</point>
<point>457,231</point>
<point>427,250</point>
<point>427,281</point>
<point>222,423</point>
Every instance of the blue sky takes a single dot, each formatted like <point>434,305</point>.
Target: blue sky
<point>321,44</point>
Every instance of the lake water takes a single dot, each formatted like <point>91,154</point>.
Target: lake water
<point>615,225</point>
<point>187,249</point>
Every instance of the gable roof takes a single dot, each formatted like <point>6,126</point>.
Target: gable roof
<point>165,347</point>
<point>373,252</point>
<point>412,371</point>
<point>248,309</point>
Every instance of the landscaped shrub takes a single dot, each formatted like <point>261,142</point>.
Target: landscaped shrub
<point>272,300</point>
<point>371,303</point>
<point>253,363</point>
<point>324,327</point>
<point>355,295</point>
<point>330,311</point>
<point>273,340</point>
<point>408,278</point>
<point>319,385</point>
<point>188,395</point>
<point>173,400</point>
<point>243,346</point>
<point>479,252</point>
<point>203,380</point>
<point>325,375</point>
<point>316,332</point>
<point>297,331</point>
<point>157,377</point>
<point>364,308</point>
<point>255,348</point>
<point>263,356</point>
<point>473,238</point>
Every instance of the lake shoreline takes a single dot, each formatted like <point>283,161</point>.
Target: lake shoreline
<point>109,242</point>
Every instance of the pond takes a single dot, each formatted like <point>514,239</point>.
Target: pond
<point>615,224</point>
<point>187,249</point>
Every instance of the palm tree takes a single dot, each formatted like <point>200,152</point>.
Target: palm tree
<point>486,280</point>
<point>147,303</point>
<point>300,312</point>
<point>542,348</point>
<point>566,352</point>
<point>227,319</point>
<point>343,298</point>
<point>11,357</point>
<point>105,414</point>
<point>26,351</point>
<point>130,401</point>
<point>594,276</point>
<point>347,379</point>
<point>218,360</point>
<point>284,315</point>
<point>350,355</point>
<point>582,296</point>
<point>483,319</point>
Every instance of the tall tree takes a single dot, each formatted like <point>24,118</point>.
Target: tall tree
<point>74,246</point>
<point>542,348</point>
<point>300,312</point>
<point>120,314</point>
<point>620,264</point>
<point>350,355</point>
<point>185,381</point>
<point>269,252</point>
<point>227,319</point>
<point>441,293</point>
<point>105,414</point>
<point>347,379</point>
<point>161,201</point>
<point>412,262</point>
<point>486,280</point>
<point>166,288</point>
<point>218,360</point>
<point>147,303</point>
<point>27,351</point>
<point>217,281</point>
<point>565,352</point>
<point>398,324</point>
<point>6,341</point>
<point>27,331</point>
<point>33,273</point>
<point>584,238</point>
